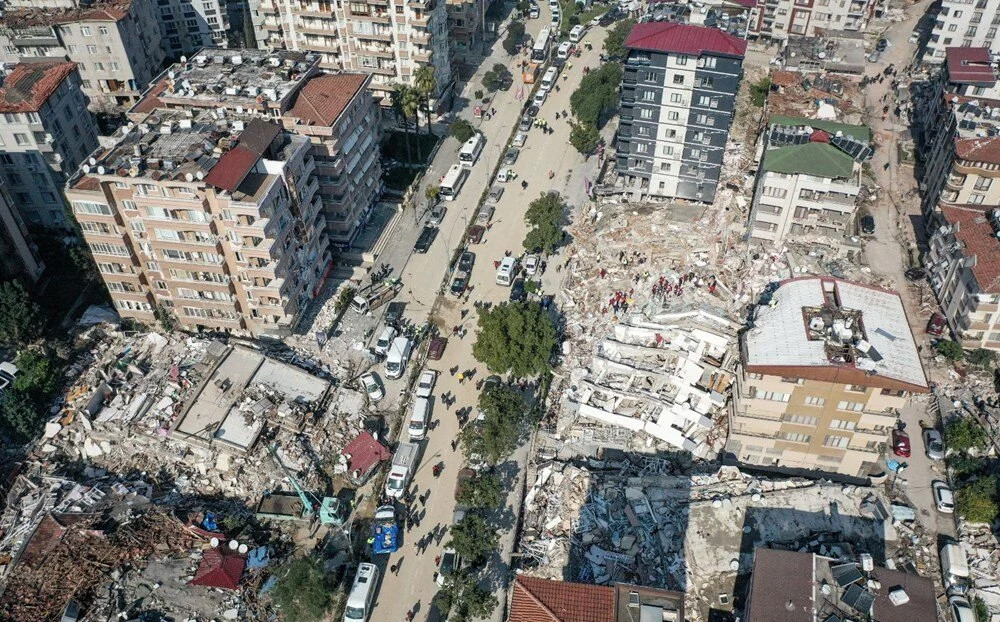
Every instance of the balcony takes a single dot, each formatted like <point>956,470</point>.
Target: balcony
<point>379,52</point>
<point>379,17</point>
<point>373,36</point>
<point>955,182</point>
<point>420,20</point>
<point>317,30</point>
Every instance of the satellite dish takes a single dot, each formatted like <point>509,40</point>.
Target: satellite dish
<point>200,175</point>
<point>100,170</point>
<point>188,176</point>
<point>233,545</point>
<point>243,549</point>
<point>86,168</point>
<point>93,161</point>
<point>214,542</point>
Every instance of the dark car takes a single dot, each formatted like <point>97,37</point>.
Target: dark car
<point>426,239</point>
<point>882,44</point>
<point>394,312</point>
<point>936,325</point>
<point>436,348</point>
<point>517,291</point>
<point>505,81</point>
<point>901,443</point>
<point>511,156</point>
<point>868,224</point>
<point>532,110</point>
<point>525,125</point>
<point>459,282</point>
<point>476,233</point>
<point>466,260</point>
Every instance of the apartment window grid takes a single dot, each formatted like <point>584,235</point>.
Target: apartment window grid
<point>794,437</point>
<point>851,406</point>
<point>773,396</point>
<point>842,424</point>
<point>838,442</point>
<point>800,419</point>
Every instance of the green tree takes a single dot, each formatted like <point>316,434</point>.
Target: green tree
<point>40,374</point>
<point>345,298</point>
<point>485,491</point>
<point>614,42</point>
<point>597,94</point>
<point>473,538</point>
<point>964,433</point>
<point>20,417</point>
<point>494,436</point>
<point>982,358</point>
<point>462,130</point>
<point>759,91</point>
<point>165,317</point>
<point>515,32</point>
<point>396,102</point>
<point>462,600</point>
<point>411,102</point>
<point>545,216</point>
<point>977,502</point>
<point>302,592</point>
<point>516,337</point>
<point>21,319</point>
<point>584,137</point>
<point>949,349</point>
<point>425,82</point>
<point>433,193</point>
<point>491,81</point>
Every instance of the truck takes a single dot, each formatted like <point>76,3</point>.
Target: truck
<point>375,296</point>
<point>385,531</point>
<point>404,463</point>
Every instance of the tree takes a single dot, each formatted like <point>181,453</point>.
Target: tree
<point>21,319</point>
<point>759,90</point>
<point>396,101</point>
<point>584,137</point>
<point>545,216</point>
<point>515,32</point>
<point>949,349</point>
<point>345,298</point>
<point>515,337</point>
<point>433,193</point>
<point>40,374</point>
<point>461,599</point>
<point>462,130</point>
<point>473,538</point>
<point>491,81</point>
<point>977,502</point>
<point>964,433</point>
<point>302,592</point>
<point>165,317</point>
<point>20,417</point>
<point>495,435</point>
<point>614,42</point>
<point>411,107</point>
<point>485,491</point>
<point>425,81</point>
<point>597,94</point>
<point>982,358</point>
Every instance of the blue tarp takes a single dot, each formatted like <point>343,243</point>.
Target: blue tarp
<point>386,538</point>
<point>258,557</point>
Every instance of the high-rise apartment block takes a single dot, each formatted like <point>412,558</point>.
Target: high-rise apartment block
<point>189,25</point>
<point>466,26</point>
<point>45,133</point>
<point>213,218</point>
<point>825,367</point>
<point>781,19</point>
<point>115,43</point>
<point>678,97</point>
<point>18,257</point>
<point>389,39</point>
<point>335,111</point>
<point>809,179</point>
<point>964,23</point>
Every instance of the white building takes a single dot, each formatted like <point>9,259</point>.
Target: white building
<point>779,19</point>
<point>189,25</point>
<point>964,23</point>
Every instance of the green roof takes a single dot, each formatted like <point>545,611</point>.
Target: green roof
<point>861,132</point>
<point>818,159</point>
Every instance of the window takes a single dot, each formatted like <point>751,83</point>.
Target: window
<point>92,49</point>
<point>649,96</point>
<point>857,388</point>
<point>95,227</point>
<point>138,225</point>
<point>678,78</point>
<point>641,148</point>
<point>840,442</point>
<point>21,139</point>
<point>977,199</point>
<point>952,27</point>
<point>103,30</point>
<point>676,98</point>
<point>642,131</point>
<point>646,113</point>
<point>102,248</point>
<point>681,60</point>
<point>800,419</point>
<point>795,438</point>
<point>854,406</point>
<point>85,31</point>
<point>704,100</point>
<point>667,150</point>
<point>665,167</point>
<point>673,116</point>
<point>86,207</point>
<point>773,191</point>
<point>815,401</point>
<point>842,424</point>
<point>707,62</point>
<point>128,205</point>
<point>773,396</point>
<point>983,183</point>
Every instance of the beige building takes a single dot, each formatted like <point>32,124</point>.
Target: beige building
<point>389,39</point>
<point>116,44</point>
<point>781,19</point>
<point>825,367</point>
<point>335,111</point>
<point>215,221</point>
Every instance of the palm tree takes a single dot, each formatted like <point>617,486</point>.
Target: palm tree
<point>396,96</point>
<point>426,83</point>
<point>411,106</point>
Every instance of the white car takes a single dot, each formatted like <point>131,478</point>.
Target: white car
<point>933,444</point>
<point>539,98</point>
<point>961,610</point>
<point>8,372</point>
<point>944,498</point>
<point>385,340</point>
<point>520,138</point>
<point>505,175</point>
<point>531,265</point>
<point>373,386</point>
<point>425,386</point>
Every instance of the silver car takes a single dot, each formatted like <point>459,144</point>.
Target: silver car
<point>933,444</point>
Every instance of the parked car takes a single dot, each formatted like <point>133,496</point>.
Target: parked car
<point>901,443</point>
<point>385,340</point>
<point>425,240</point>
<point>517,291</point>
<point>936,325</point>
<point>944,498</point>
<point>495,193</point>
<point>505,81</point>
<point>437,215</point>
<point>450,560</point>
<point>425,386</point>
<point>8,373</point>
<point>505,175</point>
<point>532,110</point>
<point>476,233</point>
<point>868,224</point>
<point>466,260</point>
<point>531,265</point>
<point>485,214</point>
<point>435,350</point>
<point>525,124</point>
<point>539,97</point>
<point>915,274</point>
<point>373,386</point>
<point>394,312</point>
<point>459,282</point>
<point>511,156</point>
<point>519,139</point>
<point>882,45</point>
<point>933,444</point>
<point>961,610</point>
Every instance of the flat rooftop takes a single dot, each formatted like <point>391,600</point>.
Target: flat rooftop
<point>29,85</point>
<point>834,331</point>
<point>98,11</point>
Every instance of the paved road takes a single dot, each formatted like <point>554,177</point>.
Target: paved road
<point>915,481</point>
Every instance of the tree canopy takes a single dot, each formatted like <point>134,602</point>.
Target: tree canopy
<point>496,76</point>
<point>473,538</point>
<point>545,217</point>
<point>462,130</point>
<point>495,436</point>
<point>964,433</point>
<point>977,502</point>
<point>21,319</point>
<point>584,137</point>
<point>597,94</point>
<point>614,42</point>
<point>461,599</point>
<point>485,491</point>
<point>515,32</point>
<point>302,592</point>
<point>515,337</point>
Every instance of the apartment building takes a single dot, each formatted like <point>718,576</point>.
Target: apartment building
<point>214,220</point>
<point>115,43</point>
<point>335,111</point>
<point>808,180</point>
<point>780,19</point>
<point>466,26</point>
<point>963,23</point>
<point>825,367</point>
<point>18,256</point>
<point>678,96</point>
<point>189,25</point>
<point>389,39</point>
<point>46,131</point>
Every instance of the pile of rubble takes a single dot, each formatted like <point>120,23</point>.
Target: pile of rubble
<point>983,551</point>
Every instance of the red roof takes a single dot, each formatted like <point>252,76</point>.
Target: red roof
<point>970,65</point>
<point>363,453</point>
<point>976,234</point>
<point>985,149</point>
<point>29,85</point>
<point>110,11</point>
<point>785,78</point>
<point>151,101</point>
<point>220,569</point>
<point>543,600</point>
<point>684,39</point>
<point>234,165</point>
<point>323,98</point>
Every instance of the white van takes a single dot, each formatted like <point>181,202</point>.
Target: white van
<point>417,430</point>
<point>954,567</point>
<point>551,74</point>
<point>385,340</point>
<point>359,602</point>
<point>505,273</point>
<point>563,52</point>
<point>576,33</point>
<point>399,355</point>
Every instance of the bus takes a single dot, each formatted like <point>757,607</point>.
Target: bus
<point>453,181</point>
<point>471,149</point>
<point>540,51</point>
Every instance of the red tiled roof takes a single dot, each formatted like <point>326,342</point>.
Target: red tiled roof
<point>684,39</point>
<point>976,234</point>
<point>151,101</point>
<point>233,166</point>
<point>87,183</point>
<point>970,65</point>
<point>321,100</point>
<point>785,78</point>
<point>543,600</point>
<point>220,569</point>
<point>985,149</point>
<point>29,85</point>
<point>364,453</point>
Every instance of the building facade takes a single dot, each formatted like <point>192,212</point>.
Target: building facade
<point>964,23</point>
<point>214,221</point>
<point>825,367</point>
<point>781,19</point>
<point>678,97</point>
<point>46,131</point>
<point>466,26</point>
<point>808,180</point>
<point>189,25</point>
<point>18,256</point>
<point>390,40</point>
<point>116,45</point>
